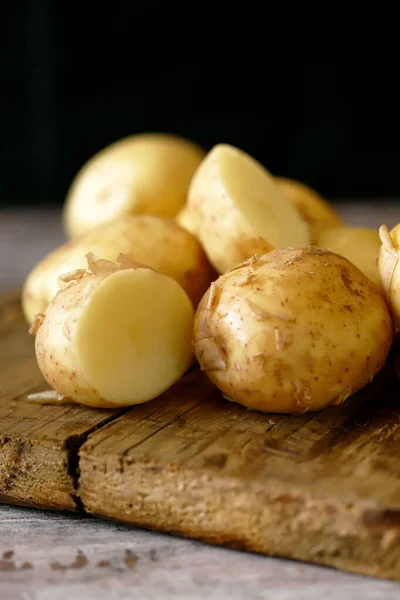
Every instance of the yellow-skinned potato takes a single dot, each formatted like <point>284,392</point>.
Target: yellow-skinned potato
<point>359,245</point>
<point>389,269</point>
<point>115,336</point>
<point>146,174</point>
<point>292,331</point>
<point>315,210</point>
<point>160,243</point>
<point>238,210</point>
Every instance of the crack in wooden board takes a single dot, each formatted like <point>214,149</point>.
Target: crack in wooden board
<point>321,487</point>
<point>38,444</point>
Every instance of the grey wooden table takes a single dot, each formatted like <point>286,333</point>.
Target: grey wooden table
<point>48,556</point>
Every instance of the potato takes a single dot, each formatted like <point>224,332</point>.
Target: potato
<point>185,219</point>
<point>238,210</point>
<point>159,243</point>
<point>147,174</point>
<point>359,245</point>
<point>389,269</point>
<point>115,336</point>
<point>316,211</point>
<point>292,331</point>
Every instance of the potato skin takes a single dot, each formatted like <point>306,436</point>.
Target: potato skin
<point>160,243</point>
<point>359,245</point>
<point>292,331</point>
<point>315,210</point>
<point>59,336</point>
<point>389,269</point>
<point>145,174</point>
<point>185,219</point>
<point>227,238</point>
<point>54,343</point>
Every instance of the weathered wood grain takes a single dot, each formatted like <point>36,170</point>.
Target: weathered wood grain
<point>321,487</point>
<point>37,443</point>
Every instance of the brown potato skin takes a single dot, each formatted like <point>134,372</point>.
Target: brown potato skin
<point>292,331</point>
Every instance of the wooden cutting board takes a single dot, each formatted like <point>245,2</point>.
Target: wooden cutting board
<point>321,487</point>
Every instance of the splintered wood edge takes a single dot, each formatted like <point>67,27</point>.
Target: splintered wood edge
<point>43,473</point>
<point>275,520</point>
<point>35,475</point>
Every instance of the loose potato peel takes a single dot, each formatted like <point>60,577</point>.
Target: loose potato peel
<point>259,312</point>
<point>49,397</point>
<point>37,321</point>
<point>389,259</point>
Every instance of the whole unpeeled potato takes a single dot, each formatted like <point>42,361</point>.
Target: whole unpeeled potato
<point>292,331</point>
<point>143,174</point>
<point>159,243</point>
<point>314,209</point>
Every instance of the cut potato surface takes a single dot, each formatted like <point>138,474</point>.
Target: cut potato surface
<point>142,174</point>
<point>238,210</point>
<point>116,337</point>
<point>314,209</point>
<point>359,245</point>
<point>160,243</point>
<point>292,331</point>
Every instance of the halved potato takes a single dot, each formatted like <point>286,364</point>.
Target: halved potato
<point>114,336</point>
<point>238,210</point>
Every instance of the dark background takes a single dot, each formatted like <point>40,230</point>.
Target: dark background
<point>76,77</point>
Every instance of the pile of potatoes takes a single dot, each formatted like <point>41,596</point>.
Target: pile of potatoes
<point>176,255</point>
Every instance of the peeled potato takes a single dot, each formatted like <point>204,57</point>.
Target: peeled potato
<point>389,269</point>
<point>238,210</point>
<point>314,209</point>
<point>292,331</point>
<point>360,246</point>
<point>147,174</point>
<point>115,337</point>
<point>159,243</point>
